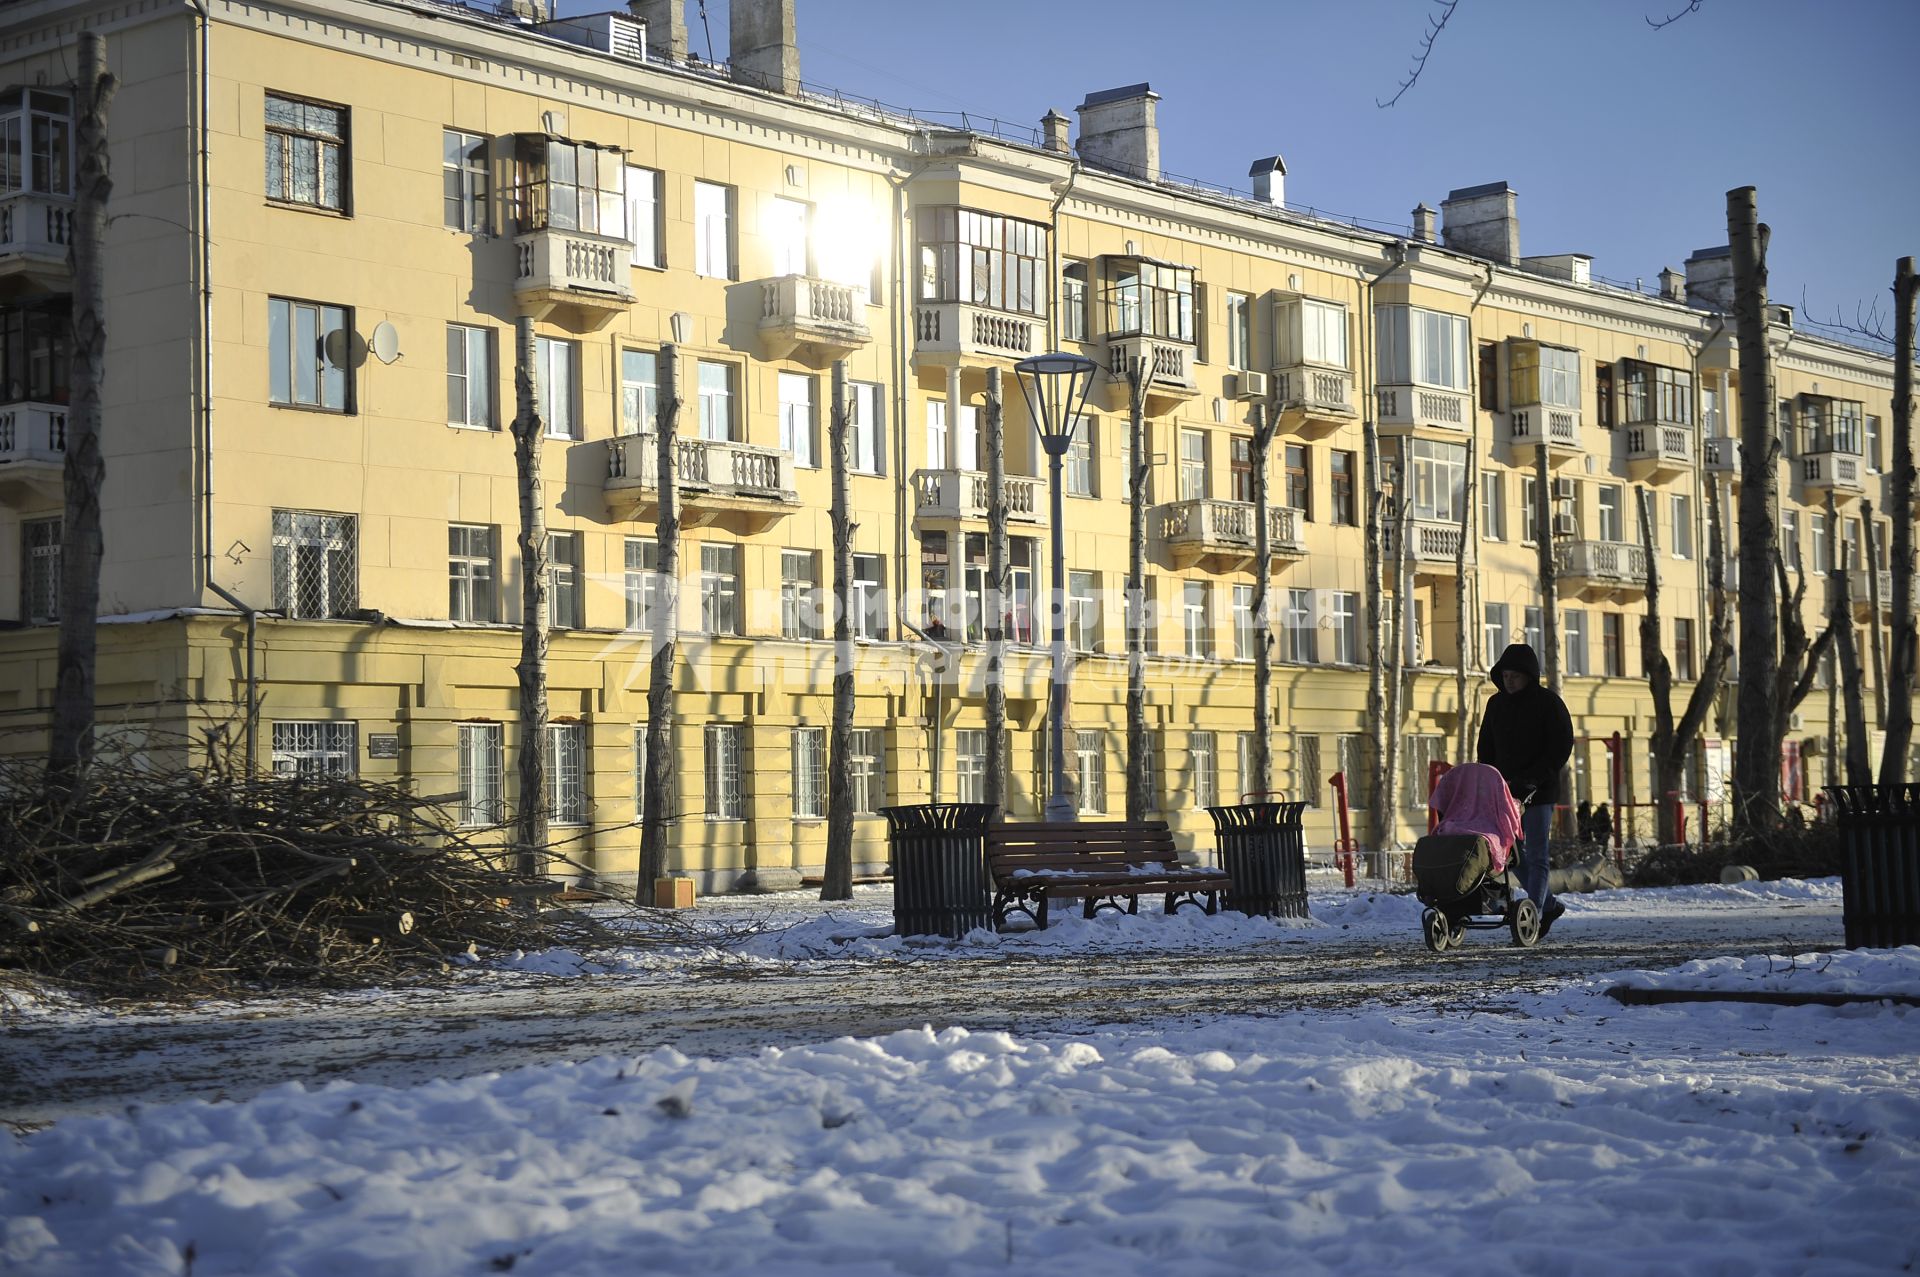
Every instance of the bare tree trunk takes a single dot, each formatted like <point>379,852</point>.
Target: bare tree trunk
<point>1847,685</point>
<point>1756,771</point>
<point>994,789</point>
<point>1869,555</point>
<point>1139,782</point>
<point>1462,639</point>
<point>85,472</point>
<point>1544,569</point>
<point>657,787</point>
<point>1265,420</point>
<point>1397,636</point>
<point>1900,677</point>
<point>837,883</point>
<point>530,824</point>
<point>1799,658</point>
<point>1659,674</point>
<point>1380,823</point>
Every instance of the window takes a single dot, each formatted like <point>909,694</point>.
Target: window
<point>671,799</point>
<point>1313,332</point>
<point>1574,640</point>
<point>1439,472</point>
<point>639,391</point>
<point>1239,468</point>
<point>970,766</point>
<point>786,231</point>
<point>982,259</point>
<point>1873,444</point>
<point>1493,637</point>
<point>1651,393</point>
<point>1681,508</point>
<point>470,572</point>
<point>1785,426</point>
<point>1073,302</point>
<point>1713,418</point>
<point>867,769</point>
<point>1613,644</point>
<point>1548,375</point>
<point>567,773</point>
<point>1817,539</point>
<point>1529,510</point>
<point>797,418</point>
<point>1078,469</point>
<point>1790,539</point>
<point>643,216</point>
<point>314,749</point>
<point>716,401</point>
<point>1683,648</point>
<point>1346,627</point>
<point>35,353</point>
<point>1203,769</point>
<point>1127,469</point>
<point>1193,465</point>
<point>1239,330</point>
<point>1090,771</point>
<point>1194,617</point>
<point>463,165</point>
<point>307,346</point>
<point>1251,785</point>
<point>306,153</point>
<point>1296,489</point>
<point>712,230</point>
<point>1422,346</point>
<point>799,594</point>
<point>1493,507</point>
<point>725,800</point>
<point>314,571</point>
<point>869,596</point>
<point>1245,632</point>
<point>1350,751</point>
<point>1342,466</point>
<point>1083,611</point>
<point>564,580</point>
<point>1148,299</point>
<point>1532,632</point>
<point>937,449</point>
<point>1150,752</point>
<point>809,773</point>
<point>643,583</point>
<point>866,425</point>
<point>1612,526</point>
<point>556,365</point>
<point>1303,640</point>
<point>565,185</point>
<point>1306,769</point>
<point>481,799</point>
<point>40,570</point>
<point>36,142</point>
<point>719,588</point>
<point>470,378</point>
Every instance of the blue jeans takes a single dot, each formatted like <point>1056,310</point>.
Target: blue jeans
<point>1536,823</point>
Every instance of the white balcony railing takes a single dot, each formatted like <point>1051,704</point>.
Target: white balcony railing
<point>1414,406</point>
<point>1430,541</point>
<point>715,466</point>
<point>805,309</point>
<point>1836,470</point>
<point>1207,524</point>
<point>962,494</point>
<point>34,225</point>
<point>595,268</point>
<point>33,433</point>
<point>1861,588</point>
<point>1670,445</point>
<point>1170,363</point>
<point>1602,562</point>
<point>1556,427</point>
<point>1314,390</point>
<point>949,331</point>
<point>1720,454</point>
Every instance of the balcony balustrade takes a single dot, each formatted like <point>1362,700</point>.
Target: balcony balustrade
<point>799,311</point>
<point>1219,535</point>
<point>961,495</point>
<point>1313,400</point>
<point>33,446</point>
<point>555,268</point>
<point>1170,367</point>
<point>950,334</point>
<point>1657,451</point>
<point>1433,546</point>
<point>1835,472</point>
<point>716,480</point>
<point>1601,569</point>
<point>1558,428</point>
<point>35,232</point>
<point>1404,409</point>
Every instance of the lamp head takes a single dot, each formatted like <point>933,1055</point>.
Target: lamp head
<point>1056,387</point>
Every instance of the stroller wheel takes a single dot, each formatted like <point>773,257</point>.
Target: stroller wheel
<point>1524,921</point>
<point>1438,932</point>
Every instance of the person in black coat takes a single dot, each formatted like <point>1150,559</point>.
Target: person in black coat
<point>1527,733</point>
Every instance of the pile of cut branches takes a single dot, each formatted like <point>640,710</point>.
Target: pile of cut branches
<point>147,881</point>
<point>1790,850</point>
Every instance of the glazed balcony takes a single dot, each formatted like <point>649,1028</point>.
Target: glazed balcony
<point>1597,570</point>
<point>798,311</point>
<point>1313,399</point>
<point>955,334</point>
<point>1406,409</point>
<point>1558,428</point>
<point>961,496</point>
<point>1433,547</point>
<point>1219,535</point>
<point>35,233</point>
<point>716,481</point>
<point>1172,379</point>
<point>1824,471</point>
<point>590,274</point>
<point>33,448</point>
<point>1658,451</point>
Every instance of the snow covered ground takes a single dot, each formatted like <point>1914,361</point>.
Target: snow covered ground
<point>1554,1132</point>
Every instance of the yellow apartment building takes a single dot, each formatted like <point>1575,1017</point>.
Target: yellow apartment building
<point>329,216</point>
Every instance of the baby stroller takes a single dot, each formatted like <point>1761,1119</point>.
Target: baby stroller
<point>1462,870</point>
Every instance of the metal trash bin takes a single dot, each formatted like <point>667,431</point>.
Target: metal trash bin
<point>1880,864</point>
<point>939,855</point>
<point>1264,850</point>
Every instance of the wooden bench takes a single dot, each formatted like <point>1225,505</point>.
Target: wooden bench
<point>1102,863</point>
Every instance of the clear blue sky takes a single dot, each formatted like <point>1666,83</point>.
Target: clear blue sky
<point>1619,138</point>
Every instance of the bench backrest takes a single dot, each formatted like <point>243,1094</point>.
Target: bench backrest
<point>1079,845</point>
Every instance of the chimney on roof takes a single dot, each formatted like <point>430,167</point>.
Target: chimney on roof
<point>666,26</point>
<point>1483,221</point>
<point>1710,278</point>
<point>1425,229</point>
<point>1673,285</point>
<point>1119,130</point>
<point>1270,181</point>
<point>1053,132</point>
<point>528,10</point>
<point>762,46</point>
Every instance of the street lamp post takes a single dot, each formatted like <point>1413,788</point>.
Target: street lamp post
<point>1056,388</point>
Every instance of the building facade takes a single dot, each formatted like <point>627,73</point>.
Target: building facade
<point>331,215</point>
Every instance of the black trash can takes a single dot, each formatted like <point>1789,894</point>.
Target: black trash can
<point>939,854</point>
<point>1264,850</point>
<point>1880,863</point>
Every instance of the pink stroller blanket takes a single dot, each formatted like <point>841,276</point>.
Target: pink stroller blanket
<point>1473,799</point>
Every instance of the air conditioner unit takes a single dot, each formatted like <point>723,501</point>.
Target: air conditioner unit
<point>1796,721</point>
<point>1249,385</point>
<point>1565,525</point>
<point>1814,745</point>
<point>1563,489</point>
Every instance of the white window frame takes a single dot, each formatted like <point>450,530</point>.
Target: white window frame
<point>314,381</point>
<point>970,765</point>
<point>719,414</point>
<point>1303,638</point>
<point>557,375</point>
<point>566,577</point>
<point>869,601</point>
<point>1239,330</point>
<point>788,226</point>
<point>1573,642</point>
<point>1195,621</point>
<point>308,747</point>
<point>1494,630</point>
<point>471,380</point>
<point>800,596</point>
<point>639,391</point>
<point>643,216</point>
<point>712,230</point>
<point>720,588</point>
<point>867,769</point>
<point>1089,762</point>
<point>643,584</point>
<point>1083,611</point>
<point>798,433</point>
<point>1681,511</point>
<point>466,182</point>
<point>867,426</point>
<point>472,573</point>
<point>726,793</point>
<point>1193,465</point>
<point>1203,769</point>
<point>1080,474</point>
<point>1246,630</point>
<point>481,774</point>
<point>567,774</point>
<point>1493,506</point>
<point>809,749</point>
<point>1611,510</point>
<point>1344,607</point>
<point>306,540</point>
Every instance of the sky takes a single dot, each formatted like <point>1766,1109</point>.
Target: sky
<point>1616,136</point>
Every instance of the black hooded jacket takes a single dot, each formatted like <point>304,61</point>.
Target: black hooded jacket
<point>1527,734</point>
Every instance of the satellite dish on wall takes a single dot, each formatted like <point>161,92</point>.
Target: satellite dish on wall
<point>386,342</point>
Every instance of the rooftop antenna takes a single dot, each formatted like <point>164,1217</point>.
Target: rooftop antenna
<point>706,28</point>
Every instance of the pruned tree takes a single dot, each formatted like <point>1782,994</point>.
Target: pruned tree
<point>994,784</point>
<point>1139,799</point>
<point>1462,638</point>
<point>1869,554</point>
<point>1398,626</point>
<point>1902,640</point>
<point>1846,657</point>
<point>656,787</point>
<point>1265,422</point>
<point>85,471</point>
<point>1799,657</point>
<point>1546,578</point>
<point>531,817</point>
<point>1380,825</point>
<point>1668,748</point>
<point>837,879</point>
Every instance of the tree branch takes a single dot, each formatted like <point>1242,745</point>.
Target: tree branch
<point>1434,27</point>
<point>1692,7</point>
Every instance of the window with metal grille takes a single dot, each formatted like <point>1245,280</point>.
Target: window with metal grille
<point>1090,771</point>
<point>671,799</point>
<point>470,572</point>
<point>1150,752</point>
<point>470,378</point>
<point>315,567</point>
<point>481,799</point>
<point>40,569</point>
<point>725,800</point>
<point>463,166</point>
<point>314,749</point>
<point>307,345</point>
<point>643,583</point>
<point>720,588</point>
<point>867,769</point>
<point>563,580</point>
<point>1306,769</point>
<point>1351,752</point>
<point>1421,753</point>
<point>306,153</point>
<point>970,765</point>
<point>1203,769</point>
<point>809,773</point>
<point>567,773</point>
